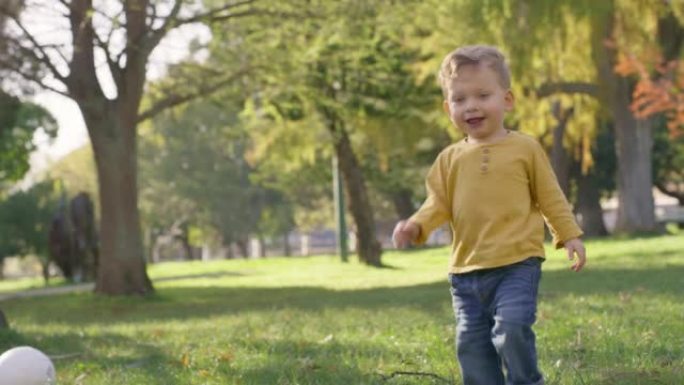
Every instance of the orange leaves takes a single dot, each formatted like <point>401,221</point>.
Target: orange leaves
<point>658,89</point>
<point>205,363</point>
<point>185,360</point>
<point>652,97</point>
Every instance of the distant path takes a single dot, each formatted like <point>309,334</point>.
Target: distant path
<point>48,291</point>
<point>90,286</point>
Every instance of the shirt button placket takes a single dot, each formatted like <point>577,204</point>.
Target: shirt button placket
<point>485,161</point>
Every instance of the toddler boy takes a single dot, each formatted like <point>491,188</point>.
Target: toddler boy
<point>495,188</point>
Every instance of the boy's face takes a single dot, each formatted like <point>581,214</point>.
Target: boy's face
<point>477,102</point>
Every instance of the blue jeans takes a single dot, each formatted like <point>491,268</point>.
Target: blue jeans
<point>495,310</point>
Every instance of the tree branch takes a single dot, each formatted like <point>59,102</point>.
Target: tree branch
<point>250,12</point>
<point>216,13</point>
<point>43,57</point>
<point>31,78</point>
<point>549,89</point>
<point>82,79</point>
<point>672,193</point>
<point>152,14</point>
<point>56,48</point>
<point>173,100</point>
<point>156,35</point>
<point>113,65</point>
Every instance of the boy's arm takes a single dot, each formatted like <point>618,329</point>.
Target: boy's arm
<point>551,200</point>
<point>437,207</point>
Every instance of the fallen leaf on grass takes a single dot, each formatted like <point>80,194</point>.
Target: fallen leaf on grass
<point>79,380</point>
<point>307,363</point>
<point>327,339</point>
<point>226,357</point>
<point>185,360</point>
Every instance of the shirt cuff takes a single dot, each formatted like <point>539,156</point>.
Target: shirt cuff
<point>559,242</point>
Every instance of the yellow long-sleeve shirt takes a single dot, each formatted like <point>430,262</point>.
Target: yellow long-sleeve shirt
<point>496,197</point>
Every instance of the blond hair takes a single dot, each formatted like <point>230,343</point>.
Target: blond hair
<point>473,54</point>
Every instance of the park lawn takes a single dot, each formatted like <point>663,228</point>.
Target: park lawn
<point>17,284</point>
<point>318,321</point>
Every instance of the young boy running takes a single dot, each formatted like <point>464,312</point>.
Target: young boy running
<point>495,188</point>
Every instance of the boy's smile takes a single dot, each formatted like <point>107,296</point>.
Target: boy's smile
<point>477,103</point>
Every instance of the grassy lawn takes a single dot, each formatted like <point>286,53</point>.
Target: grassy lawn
<point>12,285</point>
<point>317,321</point>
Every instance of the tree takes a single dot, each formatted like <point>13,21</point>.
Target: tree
<point>125,33</point>
<point>25,218</point>
<point>337,83</point>
<point>195,157</point>
<point>76,172</point>
<point>277,219</point>
<point>19,121</point>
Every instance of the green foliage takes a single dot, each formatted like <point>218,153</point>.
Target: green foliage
<point>76,172</point>
<point>605,161</point>
<point>196,159</point>
<point>25,218</point>
<point>18,123</point>
<point>315,321</point>
<point>668,159</point>
<point>344,66</point>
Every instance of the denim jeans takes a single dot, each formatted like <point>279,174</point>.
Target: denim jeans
<point>495,310</point>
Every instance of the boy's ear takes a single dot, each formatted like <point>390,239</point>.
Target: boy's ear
<point>509,100</point>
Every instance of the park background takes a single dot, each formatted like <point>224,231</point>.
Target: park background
<point>226,136</point>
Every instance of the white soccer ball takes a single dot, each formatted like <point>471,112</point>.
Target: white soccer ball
<point>25,365</point>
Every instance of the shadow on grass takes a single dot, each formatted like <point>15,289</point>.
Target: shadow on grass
<point>658,376</point>
<point>280,361</point>
<point>201,302</point>
<point>667,280</point>
<point>300,362</point>
<point>220,274</point>
<point>293,361</point>
<point>73,350</point>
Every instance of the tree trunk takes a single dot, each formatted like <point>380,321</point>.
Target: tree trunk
<point>4,324</point>
<point>287,248</point>
<point>367,245</point>
<point>588,206</point>
<point>184,239</point>
<point>45,269</point>
<point>560,161</point>
<point>241,244</point>
<point>634,141</point>
<point>122,263</point>
<point>403,203</point>
<point>148,244</point>
<point>262,246</point>
<point>636,207</point>
<point>156,249</point>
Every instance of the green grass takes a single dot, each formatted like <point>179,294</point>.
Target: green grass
<point>12,285</point>
<point>318,321</point>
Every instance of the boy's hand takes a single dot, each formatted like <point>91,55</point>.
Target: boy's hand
<point>575,246</point>
<point>405,233</point>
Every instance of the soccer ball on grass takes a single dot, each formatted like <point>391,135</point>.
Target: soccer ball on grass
<point>25,365</point>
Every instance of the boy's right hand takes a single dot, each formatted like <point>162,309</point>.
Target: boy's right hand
<point>405,233</point>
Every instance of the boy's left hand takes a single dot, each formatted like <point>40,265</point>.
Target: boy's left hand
<point>575,246</point>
